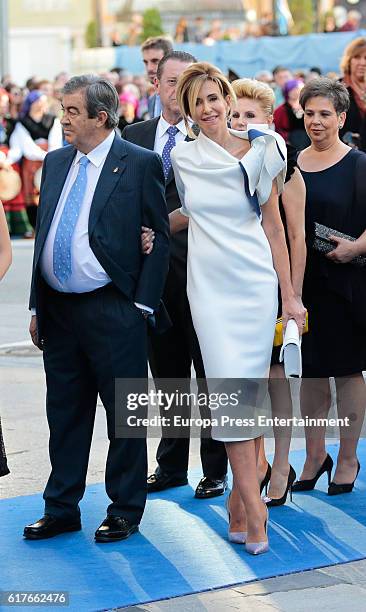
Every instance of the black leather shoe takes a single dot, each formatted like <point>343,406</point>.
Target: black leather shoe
<point>210,487</point>
<point>280,501</point>
<point>160,481</point>
<point>48,527</point>
<point>114,528</point>
<point>337,489</point>
<point>309,484</point>
<point>266,479</point>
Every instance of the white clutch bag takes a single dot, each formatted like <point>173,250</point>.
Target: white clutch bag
<point>291,351</point>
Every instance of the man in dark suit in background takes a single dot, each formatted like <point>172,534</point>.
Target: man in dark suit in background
<point>171,354</point>
<point>153,50</point>
<point>92,292</point>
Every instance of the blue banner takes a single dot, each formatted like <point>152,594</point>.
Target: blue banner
<point>249,56</point>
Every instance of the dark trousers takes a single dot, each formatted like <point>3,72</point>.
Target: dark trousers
<point>91,339</point>
<point>171,355</point>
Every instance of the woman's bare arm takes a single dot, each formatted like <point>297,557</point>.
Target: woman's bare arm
<point>293,199</point>
<point>292,307</point>
<point>178,222</point>
<point>5,245</point>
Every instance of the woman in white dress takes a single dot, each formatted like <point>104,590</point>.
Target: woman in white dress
<point>229,188</point>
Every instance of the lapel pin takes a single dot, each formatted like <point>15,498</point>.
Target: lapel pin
<point>115,169</point>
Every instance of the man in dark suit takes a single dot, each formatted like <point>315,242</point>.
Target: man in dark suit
<point>171,354</point>
<point>92,293</point>
<point>153,50</point>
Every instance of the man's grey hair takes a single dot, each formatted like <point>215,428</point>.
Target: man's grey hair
<point>100,95</point>
<point>324,87</point>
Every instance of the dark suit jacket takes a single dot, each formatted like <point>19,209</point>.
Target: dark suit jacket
<point>143,134</point>
<point>151,106</point>
<point>129,193</point>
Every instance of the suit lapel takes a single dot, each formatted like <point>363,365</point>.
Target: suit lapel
<point>149,133</point>
<point>113,168</point>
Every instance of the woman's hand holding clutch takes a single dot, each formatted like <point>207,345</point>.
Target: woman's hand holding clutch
<point>344,251</point>
<point>293,308</point>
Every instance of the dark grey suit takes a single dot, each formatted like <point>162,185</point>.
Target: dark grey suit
<point>90,339</point>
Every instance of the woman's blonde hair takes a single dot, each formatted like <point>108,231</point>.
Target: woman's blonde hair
<point>190,83</point>
<point>350,51</point>
<point>255,90</point>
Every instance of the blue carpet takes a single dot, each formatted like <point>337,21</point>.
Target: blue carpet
<point>181,548</point>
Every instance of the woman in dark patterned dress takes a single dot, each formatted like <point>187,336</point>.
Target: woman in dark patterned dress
<point>14,207</point>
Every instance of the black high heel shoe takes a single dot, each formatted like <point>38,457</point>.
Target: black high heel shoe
<point>266,479</point>
<point>337,489</point>
<point>279,501</point>
<point>308,485</point>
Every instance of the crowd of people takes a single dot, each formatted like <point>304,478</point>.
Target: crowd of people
<point>342,21</point>
<point>208,32</point>
<point>244,173</point>
<point>30,126</point>
<point>199,30</point>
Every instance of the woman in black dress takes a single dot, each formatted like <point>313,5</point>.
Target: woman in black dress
<point>334,287</point>
<point>5,261</point>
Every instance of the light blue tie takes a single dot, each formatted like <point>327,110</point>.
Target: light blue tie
<point>66,225</point>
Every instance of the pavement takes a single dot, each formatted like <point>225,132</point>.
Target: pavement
<point>22,399</point>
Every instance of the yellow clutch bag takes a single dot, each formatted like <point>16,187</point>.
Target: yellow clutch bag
<point>278,337</point>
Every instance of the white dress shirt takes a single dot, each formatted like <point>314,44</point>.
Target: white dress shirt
<point>162,136</point>
<point>87,273</point>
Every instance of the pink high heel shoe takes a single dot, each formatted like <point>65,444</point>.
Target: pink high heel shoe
<point>257,548</point>
<point>237,537</point>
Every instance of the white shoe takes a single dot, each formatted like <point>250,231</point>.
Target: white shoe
<point>258,548</point>
<point>237,537</point>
